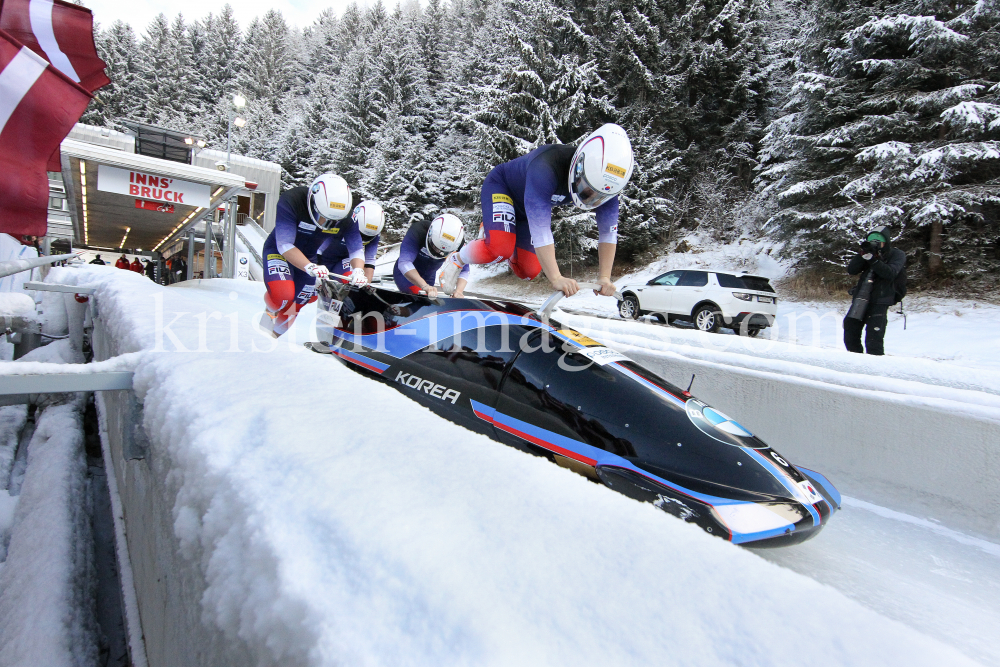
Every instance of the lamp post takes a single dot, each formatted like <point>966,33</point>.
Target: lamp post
<point>238,103</point>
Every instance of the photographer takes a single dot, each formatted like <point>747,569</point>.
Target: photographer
<point>879,266</point>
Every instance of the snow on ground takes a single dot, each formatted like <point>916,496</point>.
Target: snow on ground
<point>408,540</point>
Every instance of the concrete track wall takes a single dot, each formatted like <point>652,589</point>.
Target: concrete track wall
<point>915,456</point>
<point>168,585</point>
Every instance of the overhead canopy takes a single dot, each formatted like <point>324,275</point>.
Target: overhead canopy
<point>112,190</point>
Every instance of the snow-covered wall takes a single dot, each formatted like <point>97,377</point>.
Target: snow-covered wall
<point>869,424</point>
<point>282,509</point>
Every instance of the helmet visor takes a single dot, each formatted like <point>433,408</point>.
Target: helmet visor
<point>434,250</point>
<point>588,197</point>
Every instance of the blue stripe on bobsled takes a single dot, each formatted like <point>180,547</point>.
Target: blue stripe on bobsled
<point>411,337</point>
<point>593,456</point>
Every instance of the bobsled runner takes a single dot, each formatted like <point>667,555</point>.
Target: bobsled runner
<point>515,375</point>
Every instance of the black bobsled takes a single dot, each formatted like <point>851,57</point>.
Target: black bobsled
<point>498,368</point>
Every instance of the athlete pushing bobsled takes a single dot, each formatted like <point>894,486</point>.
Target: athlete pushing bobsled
<point>308,219</point>
<point>517,199</point>
<point>369,219</point>
<point>423,251</point>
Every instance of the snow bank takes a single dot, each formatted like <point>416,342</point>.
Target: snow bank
<point>45,585</point>
<point>16,304</point>
<point>309,535</point>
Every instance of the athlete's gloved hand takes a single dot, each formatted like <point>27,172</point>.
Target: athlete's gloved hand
<point>317,271</point>
<point>358,278</point>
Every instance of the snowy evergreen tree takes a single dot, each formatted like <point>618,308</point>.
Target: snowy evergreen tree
<point>266,65</point>
<point>225,43</point>
<point>539,88</point>
<point>157,56</point>
<point>893,125</point>
<point>124,96</point>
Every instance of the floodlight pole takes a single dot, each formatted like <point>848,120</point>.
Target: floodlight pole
<point>238,102</point>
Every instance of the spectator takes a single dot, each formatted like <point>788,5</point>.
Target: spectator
<point>881,267</point>
<point>122,263</point>
<point>150,270</point>
<point>98,260</point>
<point>136,266</point>
<point>180,269</point>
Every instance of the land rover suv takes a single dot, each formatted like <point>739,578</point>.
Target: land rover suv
<point>709,299</point>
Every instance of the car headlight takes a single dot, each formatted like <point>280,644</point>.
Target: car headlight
<point>743,296</point>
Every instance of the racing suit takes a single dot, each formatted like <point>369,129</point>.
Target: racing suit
<point>517,200</point>
<point>413,255</point>
<point>288,287</point>
<point>337,257</point>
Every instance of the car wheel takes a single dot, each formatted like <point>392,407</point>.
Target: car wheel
<point>628,307</point>
<point>707,319</point>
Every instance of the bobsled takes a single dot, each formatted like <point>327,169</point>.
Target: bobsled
<point>515,375</point>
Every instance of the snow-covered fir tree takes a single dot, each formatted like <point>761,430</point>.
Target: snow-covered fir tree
<point>891,120</point>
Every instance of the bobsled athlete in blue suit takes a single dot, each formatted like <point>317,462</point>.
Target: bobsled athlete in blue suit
<point>517,199</point>
<point>369,219</point>
<point>306,222</point>
<point>423,251</point>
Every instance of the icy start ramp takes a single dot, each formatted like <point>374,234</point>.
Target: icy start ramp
<point>281,509</point>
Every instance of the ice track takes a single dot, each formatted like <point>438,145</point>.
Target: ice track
<point>940,582</point>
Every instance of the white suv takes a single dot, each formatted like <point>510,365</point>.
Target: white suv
<point>710,299</point>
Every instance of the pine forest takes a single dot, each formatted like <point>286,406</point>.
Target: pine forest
<point>805,122</point>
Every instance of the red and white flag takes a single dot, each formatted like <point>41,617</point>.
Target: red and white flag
<point>60,32</point>
<point>38,107</point>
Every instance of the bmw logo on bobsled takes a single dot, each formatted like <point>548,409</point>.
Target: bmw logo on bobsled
<point>500,369</point>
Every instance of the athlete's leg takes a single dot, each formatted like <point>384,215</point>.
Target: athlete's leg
<point>524,263</point>
<point>498,223</point>
<point>280,285</point>
<point>303,286</point>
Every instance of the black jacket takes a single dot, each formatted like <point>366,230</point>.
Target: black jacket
<point>886,266</point>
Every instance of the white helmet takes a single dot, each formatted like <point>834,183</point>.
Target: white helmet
<point>445,235</point>
<point>601,167</point>
<point>329,200</point>
<point>370,218</point>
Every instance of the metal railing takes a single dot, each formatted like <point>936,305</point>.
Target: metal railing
<point>253,251</point>
<point>244,219</point>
